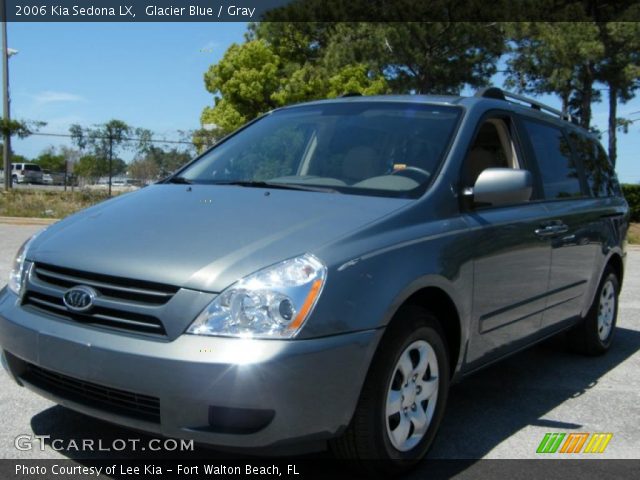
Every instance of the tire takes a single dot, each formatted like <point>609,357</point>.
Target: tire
<point>594,334</point>
<point>374,432</point>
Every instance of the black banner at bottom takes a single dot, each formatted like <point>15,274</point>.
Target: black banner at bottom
<point>311,468</point>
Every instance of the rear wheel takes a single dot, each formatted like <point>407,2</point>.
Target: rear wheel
<point>404,396</point>
<point>594,335</point>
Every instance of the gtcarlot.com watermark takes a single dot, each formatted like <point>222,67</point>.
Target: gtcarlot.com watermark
<point>28,442</point>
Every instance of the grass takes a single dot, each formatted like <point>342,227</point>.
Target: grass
<point>43,204</point>
<point>634,233</point>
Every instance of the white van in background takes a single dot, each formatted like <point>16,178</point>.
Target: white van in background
<point>26,173</point>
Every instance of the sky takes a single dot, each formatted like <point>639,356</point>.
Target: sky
<point>151,75</point>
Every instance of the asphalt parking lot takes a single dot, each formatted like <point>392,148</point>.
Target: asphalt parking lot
<point>501,412</point>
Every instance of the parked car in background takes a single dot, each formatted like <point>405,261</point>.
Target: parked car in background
<point>57,178</point>
<point>324,274</point>
<point>47,179</point>
<point>26,173</point>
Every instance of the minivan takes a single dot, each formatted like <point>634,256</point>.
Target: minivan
<point>26,173</point>
<point>324,274</point>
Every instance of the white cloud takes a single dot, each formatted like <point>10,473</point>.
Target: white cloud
<point>209,47</point>
<point>57,97</point>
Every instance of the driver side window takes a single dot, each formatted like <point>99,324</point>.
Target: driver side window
<point>493,147</point>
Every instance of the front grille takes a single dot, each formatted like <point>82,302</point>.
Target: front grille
<point>120,402</point>
<point>124,304</point>
<point>99,316</point>
<point>111,287</point>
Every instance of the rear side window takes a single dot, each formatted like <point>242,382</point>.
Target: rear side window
<point>599,172</point>
<point>558,170</point>
<point>31,167</point>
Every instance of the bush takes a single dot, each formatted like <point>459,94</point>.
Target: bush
<point>632,194</point>
<point>47,204</point>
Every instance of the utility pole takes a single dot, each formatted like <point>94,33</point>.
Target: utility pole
<point>110,160</point>
<point>6,153</point>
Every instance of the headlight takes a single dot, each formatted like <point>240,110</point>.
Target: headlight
<point>18,269</point>
<point>271,303</point>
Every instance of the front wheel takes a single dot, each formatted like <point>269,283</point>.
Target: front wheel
<point>403,400</point>
<point>594,335</point>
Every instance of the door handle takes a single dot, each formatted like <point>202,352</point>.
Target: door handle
<point>551,230</point>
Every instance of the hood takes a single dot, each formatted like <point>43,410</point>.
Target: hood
<point>202,237</point>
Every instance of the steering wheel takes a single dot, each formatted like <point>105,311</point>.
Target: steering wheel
<point>415,173</point>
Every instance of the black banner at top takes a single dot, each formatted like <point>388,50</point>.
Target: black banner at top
<point>318,10</point>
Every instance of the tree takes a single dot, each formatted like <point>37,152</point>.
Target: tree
<point>252,79</point>
<point>243,82</point>
<point>19,128</point>
<point>105,140</point>
<point>144,169</point>
<point>287,62</point>
<point>204,138</point>
<point>418,57</point>
<point>558,58</point>
<point>157,163</point>
<point>49,160</point>
<point>93,168</point>
<point>88,167</point>
<point>619,71</point>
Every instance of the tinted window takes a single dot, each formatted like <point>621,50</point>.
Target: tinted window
<point>366,148</point>
<point>598,170</point>
<point>31,167</point>
<point>558,170</point>
<point>486,152</point>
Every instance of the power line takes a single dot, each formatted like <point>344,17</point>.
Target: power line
<point>128,139</point>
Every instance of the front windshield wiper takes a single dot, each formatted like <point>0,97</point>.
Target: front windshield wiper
<point>281,186</point>
<point>180,180</point>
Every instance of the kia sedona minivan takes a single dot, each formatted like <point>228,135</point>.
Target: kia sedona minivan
<point>323,274</point>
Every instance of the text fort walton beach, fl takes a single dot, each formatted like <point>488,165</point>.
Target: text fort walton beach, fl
<point>130,11</point>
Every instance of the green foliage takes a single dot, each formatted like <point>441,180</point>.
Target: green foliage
<point>287,60</point>
<point>157,163</point>
<point>48,160</point>
<point>19,128</point>
<point>92,167</point>
<point>244,79</point>
<point>568,58</point>
<point>103,142</point>
<point>253,78</point>
<point>556,58</point>
<point>418,57</point>
<point>632,194</point>
<point>203,138</point>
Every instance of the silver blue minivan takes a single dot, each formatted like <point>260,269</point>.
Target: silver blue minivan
<point>323,274</point>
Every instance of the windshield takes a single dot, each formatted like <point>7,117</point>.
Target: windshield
<point>366,148</point>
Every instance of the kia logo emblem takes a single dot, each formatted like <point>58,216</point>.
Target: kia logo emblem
<point>80,298</point>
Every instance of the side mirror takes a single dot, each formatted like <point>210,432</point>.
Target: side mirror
<point>503,186</point>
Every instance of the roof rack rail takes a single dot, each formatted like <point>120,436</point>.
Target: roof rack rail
<point>499,94</point>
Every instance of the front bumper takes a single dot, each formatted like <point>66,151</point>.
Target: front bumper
<point>310,386</point>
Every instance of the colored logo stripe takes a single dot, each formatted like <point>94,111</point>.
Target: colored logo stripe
<point>574,443</point>
<point>550,443</point>
<point>598,442</point>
